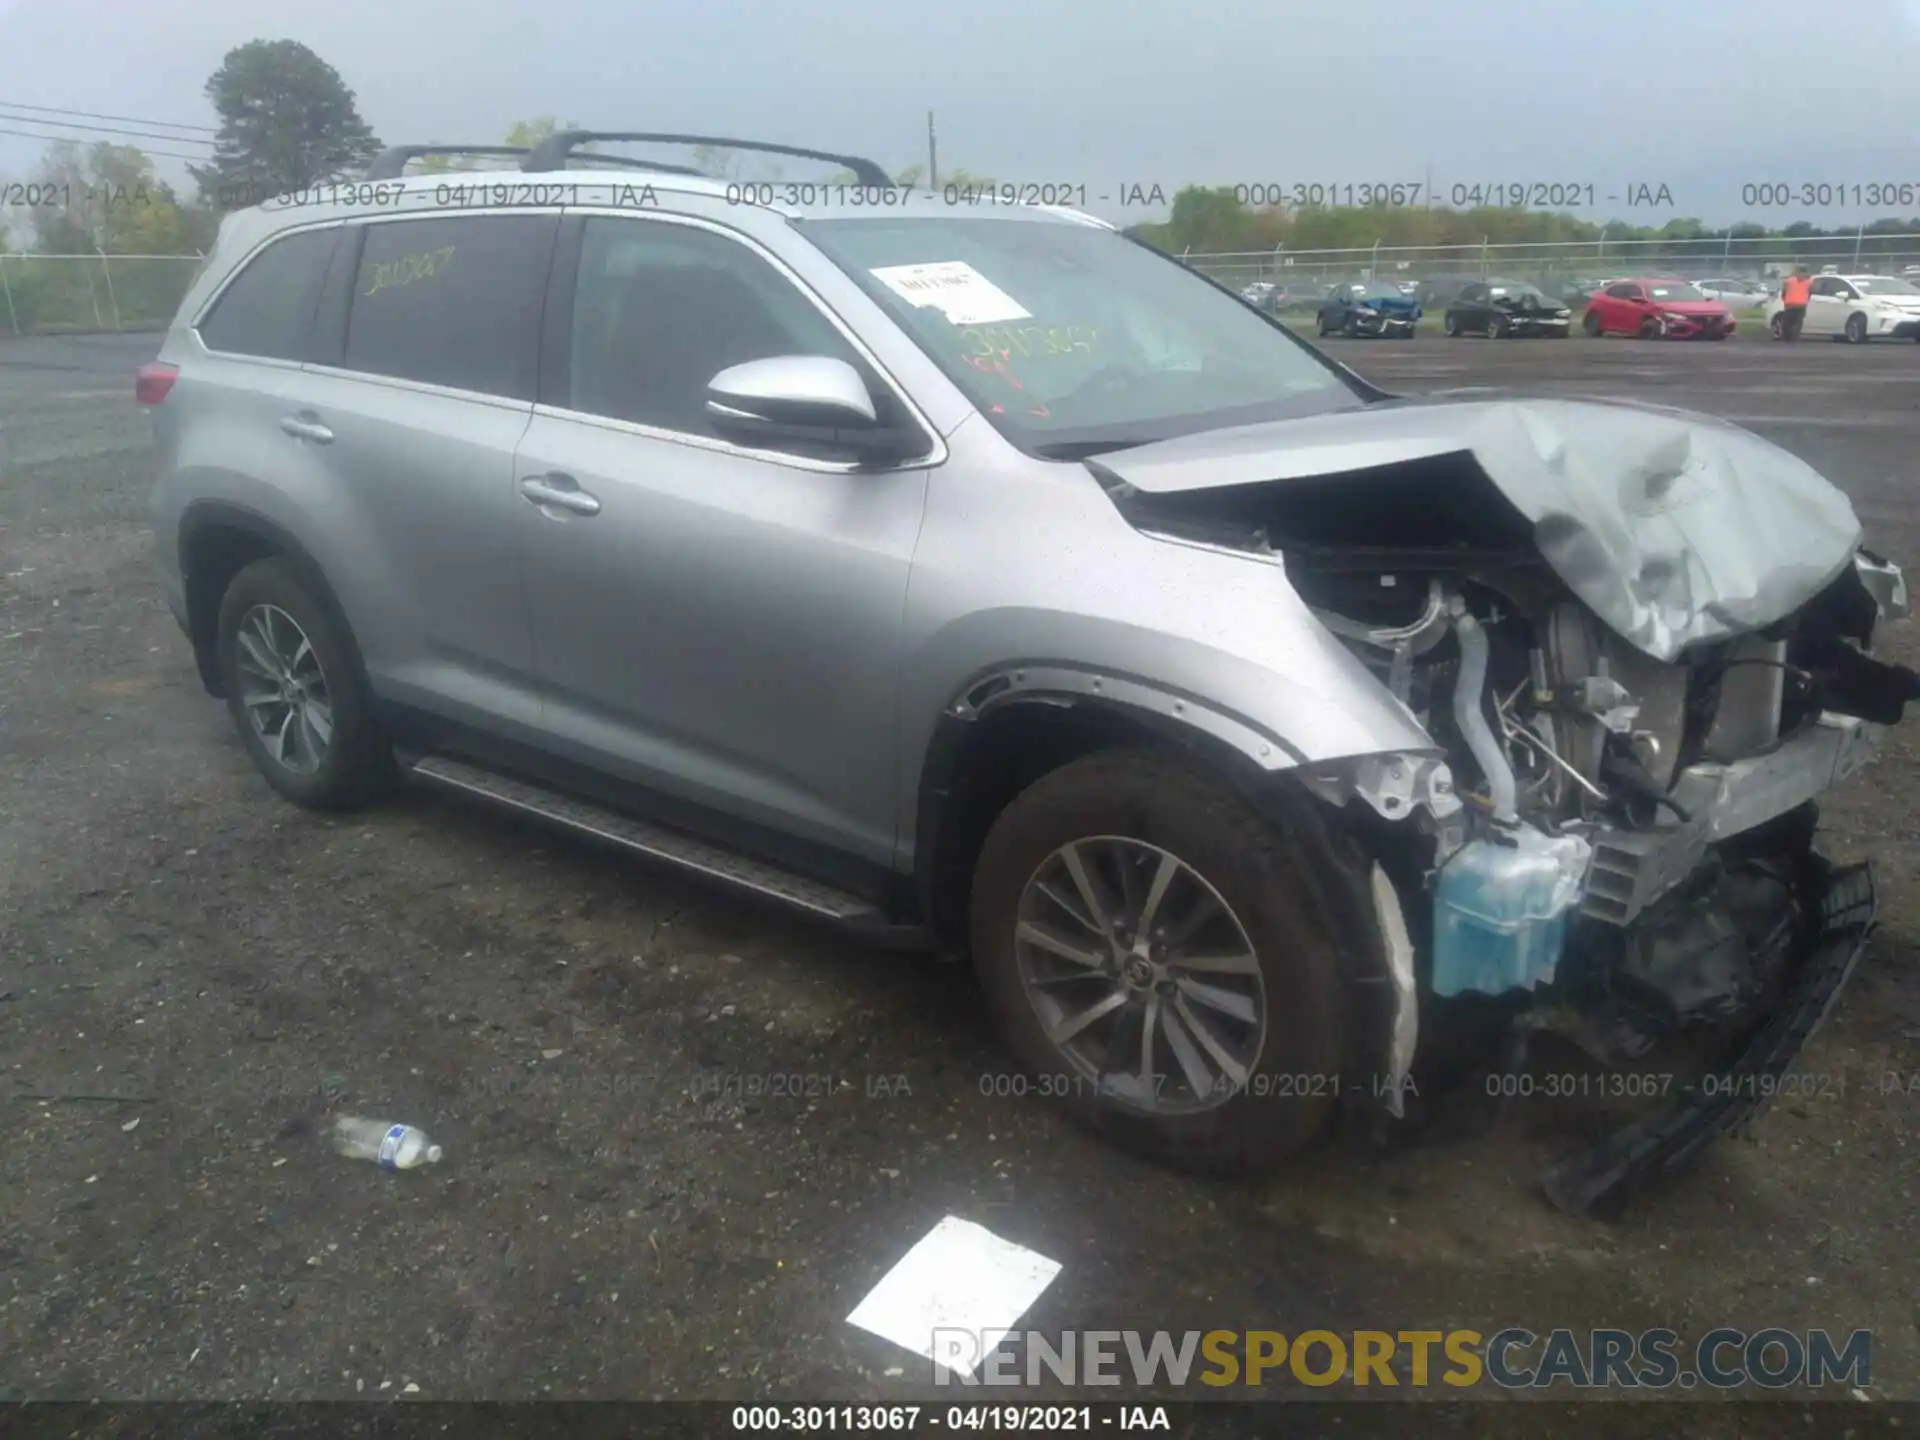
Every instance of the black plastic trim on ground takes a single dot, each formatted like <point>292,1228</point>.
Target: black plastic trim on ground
<point>1653,1150</point>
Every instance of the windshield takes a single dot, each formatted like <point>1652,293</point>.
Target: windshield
<point>1071,339</point>
<point>1517,290</point>
<point>1374,290</point>
<point>1884,285</point>
<point>1671,290</point>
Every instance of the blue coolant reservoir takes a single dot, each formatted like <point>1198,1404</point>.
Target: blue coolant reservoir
<point>1500,911</point>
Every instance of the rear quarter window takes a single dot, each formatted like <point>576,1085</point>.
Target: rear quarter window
<point>451,301</point>
<point>266,308</point>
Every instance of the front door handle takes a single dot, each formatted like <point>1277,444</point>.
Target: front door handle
<point>562,492</point>
<point>307,426</point>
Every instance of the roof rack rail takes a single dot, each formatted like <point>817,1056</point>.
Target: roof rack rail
<point>552,152</point>
<point>391,163</point>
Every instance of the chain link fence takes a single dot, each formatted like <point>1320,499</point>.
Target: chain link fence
<point>1559,261</point>
<point>88,294</point>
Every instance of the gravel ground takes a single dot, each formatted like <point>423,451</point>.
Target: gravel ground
<point>194,975</point>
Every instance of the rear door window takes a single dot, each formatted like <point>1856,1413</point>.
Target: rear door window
<point>265,310</point>
<point>452,301</point>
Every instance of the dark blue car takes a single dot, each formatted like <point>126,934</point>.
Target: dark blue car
<point>1369,307</point>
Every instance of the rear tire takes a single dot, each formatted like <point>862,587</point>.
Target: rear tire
<point>1452,326</point>
<point>297,693</point>
<point>1287,1030</point>
<point>1591,324</point>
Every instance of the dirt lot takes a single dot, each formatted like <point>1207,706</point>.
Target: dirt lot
<point>194,974</point>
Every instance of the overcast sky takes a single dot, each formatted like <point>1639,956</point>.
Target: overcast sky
<point>1702,97</point>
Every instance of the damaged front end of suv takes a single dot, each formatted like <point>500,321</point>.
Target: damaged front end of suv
<point>1640,642</point>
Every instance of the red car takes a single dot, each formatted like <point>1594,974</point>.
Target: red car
<point>1657,310</point>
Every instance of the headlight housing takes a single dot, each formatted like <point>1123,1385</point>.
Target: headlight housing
<point>1366,310</point>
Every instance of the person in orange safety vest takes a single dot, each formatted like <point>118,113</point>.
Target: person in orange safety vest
<point>1793,303</point>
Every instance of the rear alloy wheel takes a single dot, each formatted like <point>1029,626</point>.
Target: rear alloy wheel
<point>1777,327</point>
<point>295,694</point>
<point>1856,329</point>
<point>1152,952</point>
<point>1591,324</point>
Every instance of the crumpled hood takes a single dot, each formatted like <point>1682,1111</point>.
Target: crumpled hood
<point>1673,527</point>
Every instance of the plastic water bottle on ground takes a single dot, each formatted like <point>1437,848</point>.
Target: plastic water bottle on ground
<point>391,1146</point>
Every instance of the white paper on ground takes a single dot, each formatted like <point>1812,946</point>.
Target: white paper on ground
<point>955,289</point>
<point>960,1277</point>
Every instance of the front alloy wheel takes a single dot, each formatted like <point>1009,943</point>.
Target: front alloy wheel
<point>1142,975</point>
<point>284,689</point>
<point>1158,956</point>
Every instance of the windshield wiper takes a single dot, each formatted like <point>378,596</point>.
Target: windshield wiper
<point>1086,449</point>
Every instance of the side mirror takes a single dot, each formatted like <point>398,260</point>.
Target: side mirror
<point>810,400</point>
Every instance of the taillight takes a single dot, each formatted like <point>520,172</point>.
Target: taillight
<point>152,382</point>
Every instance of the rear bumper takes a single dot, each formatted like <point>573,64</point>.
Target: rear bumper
<point>1659,1147</point>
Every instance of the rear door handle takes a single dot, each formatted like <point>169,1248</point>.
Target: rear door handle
<point>307,427</point>
<point>562,492</point>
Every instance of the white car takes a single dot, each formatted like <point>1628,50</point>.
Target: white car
<point>1857,307</point>
<point>1734,294</point>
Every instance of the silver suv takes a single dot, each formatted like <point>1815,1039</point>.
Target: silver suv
<point>976,577</point>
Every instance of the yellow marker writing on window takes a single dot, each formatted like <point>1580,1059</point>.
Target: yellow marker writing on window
<point>392,274</point>
<point>1031,339</point>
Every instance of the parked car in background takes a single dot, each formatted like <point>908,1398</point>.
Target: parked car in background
<point>1656,309</point>
<point>1571,290</point>
<point>1858,308</point>
<point>1436,291</point>
<point>1498,308</point>
<point>1734,294</point>
<point>1369,307</point>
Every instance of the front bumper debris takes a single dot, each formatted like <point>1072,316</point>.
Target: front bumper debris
<point>1657,1148</point>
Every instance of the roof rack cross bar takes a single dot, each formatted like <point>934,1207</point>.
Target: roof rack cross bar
<point>552,152</point>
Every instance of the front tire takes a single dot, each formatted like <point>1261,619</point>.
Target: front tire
<point>1131,905</point>
<point>296,691</point>
<point>1452,325</point>
<point>1856,329</point>
<point>1496,327</point>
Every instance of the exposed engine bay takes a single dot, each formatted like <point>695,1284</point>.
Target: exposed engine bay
<point>1614,838</point>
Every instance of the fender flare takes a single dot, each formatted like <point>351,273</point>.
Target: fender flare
<point>1181,718</point>
<point>203,515</point>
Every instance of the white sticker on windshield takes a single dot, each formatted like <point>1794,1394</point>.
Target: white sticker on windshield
<point>955,289</point>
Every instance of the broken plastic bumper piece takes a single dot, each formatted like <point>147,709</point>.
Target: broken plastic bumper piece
<point>1655,1149</point>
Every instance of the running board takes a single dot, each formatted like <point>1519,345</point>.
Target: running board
<point>653,841</point>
